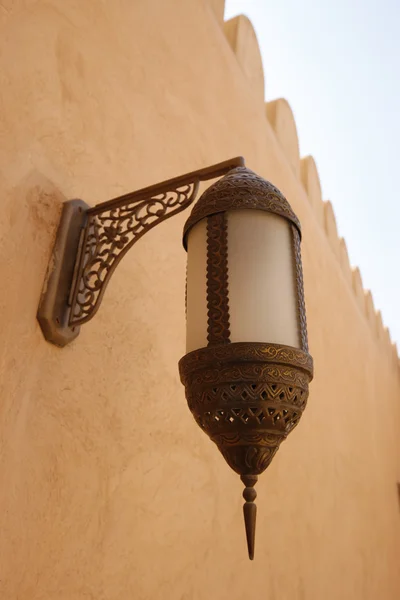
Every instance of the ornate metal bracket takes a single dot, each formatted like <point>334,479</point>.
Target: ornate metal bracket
<point>91,242</point>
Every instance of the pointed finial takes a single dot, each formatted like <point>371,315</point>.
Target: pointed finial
<point>250,511</point>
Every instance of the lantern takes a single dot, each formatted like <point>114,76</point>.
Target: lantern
<point>247,367</point>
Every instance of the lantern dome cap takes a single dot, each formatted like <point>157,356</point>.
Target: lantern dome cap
<point>240,189</point>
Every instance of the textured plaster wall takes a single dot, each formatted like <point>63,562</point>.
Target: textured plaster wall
<point>108,489</point>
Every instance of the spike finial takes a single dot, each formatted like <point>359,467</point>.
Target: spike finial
<point>250,511</point>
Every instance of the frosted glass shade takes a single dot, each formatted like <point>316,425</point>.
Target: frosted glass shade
<point>262,293</point>
<point>196,288</point>
<point>262,286</point>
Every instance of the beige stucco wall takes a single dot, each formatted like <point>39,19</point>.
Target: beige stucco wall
<point>108,489</point>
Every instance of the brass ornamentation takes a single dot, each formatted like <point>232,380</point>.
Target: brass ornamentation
<point>217,280</point>
<point>247,397</point>
<point>110,233</point>
<point>240,189</point>
<point>300,289</point>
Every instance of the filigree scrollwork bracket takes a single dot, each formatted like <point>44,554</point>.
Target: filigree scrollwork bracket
<point>91,242</point>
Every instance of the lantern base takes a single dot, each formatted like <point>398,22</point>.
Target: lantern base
<point>247,397</point>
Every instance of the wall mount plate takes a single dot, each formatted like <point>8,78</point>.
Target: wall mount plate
<point>54,309</point>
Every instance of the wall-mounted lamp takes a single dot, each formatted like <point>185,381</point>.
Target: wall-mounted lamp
<point>247,369</point>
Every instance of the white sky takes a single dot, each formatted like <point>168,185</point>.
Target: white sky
<point>338,65</point>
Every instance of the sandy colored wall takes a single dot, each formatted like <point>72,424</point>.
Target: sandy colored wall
<point>108,489</point>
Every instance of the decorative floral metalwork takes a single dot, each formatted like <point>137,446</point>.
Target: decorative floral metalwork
<point>109,230</point>
<point>217,280</point>
<point>109,234</point>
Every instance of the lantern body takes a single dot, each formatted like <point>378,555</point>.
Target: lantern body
<point>247,367</point>
<point>262,293</point>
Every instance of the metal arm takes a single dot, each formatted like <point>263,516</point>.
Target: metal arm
<point>91,242</point>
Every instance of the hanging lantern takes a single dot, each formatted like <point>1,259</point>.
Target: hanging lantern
<point>247,367</point>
